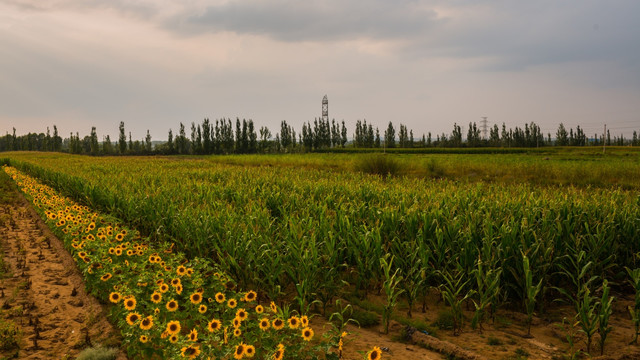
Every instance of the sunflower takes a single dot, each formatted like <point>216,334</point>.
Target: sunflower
<point>130,303</point>
<point>232,303</point>
<point>172,305</point>
<point>152,259</point>
<point>249,350</point>
<point>294,322</point>
<point>239,351</point>
<point>181,270</point>
<point>156,297</point>
<point>112,251</point>
<point>196,298</point>
<point>143,339</point>
<point>237,322</point>
<point>132,318</point>
<point>214,325</point>
<point>250,296</point>
<point>118,251</point>
<point>164,288</point>
<point>241,314</point>
<point>220,298</point>
<point>237,332</point>
<point>115,297</point>
<point>279,354</point>
<point>278,324</point>
<point>105,277</point>
<point>193,335</point>
<point>304,320</point>
<point>307,333</point>
<point>179,289</point>
<point>189,271</point>
<point>120,237</point>
<point>202,309</point>
<point>173,339</point>
<point>146,323</point>
<point>264,324</point>
<point>374,354</point>
<point>173,327</point>
<point>259,309</point>
<point>190,351</point>
<point>273,307</point>
<point>175,282</point>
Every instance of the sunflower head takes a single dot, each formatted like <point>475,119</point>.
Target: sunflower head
<point>193,335</point>
<point>130,303</point>
<point>214,325</point>
<point>307,334</point>
<point>195,298</point>
<point>115,297</point>
<point>132,318</point>
<point>374,354</point>
<point>172,305</point>
<point>173,327</point>
<point>146,323</point>
<point>220,298</point>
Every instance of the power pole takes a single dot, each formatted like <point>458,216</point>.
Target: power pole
<point>483,123</point>
<point>325,109</point>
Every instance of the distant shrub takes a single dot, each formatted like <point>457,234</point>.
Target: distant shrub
<point>379,164</point>
<point>365,318</point>
<point>98,353</point>
<point>10,335</point>
<point>444,320</point>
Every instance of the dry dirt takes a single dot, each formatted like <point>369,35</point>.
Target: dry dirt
<point>43,292</point>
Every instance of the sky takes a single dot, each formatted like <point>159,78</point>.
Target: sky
<point>426,64</point>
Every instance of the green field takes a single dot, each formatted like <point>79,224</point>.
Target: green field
<point>293,226</point>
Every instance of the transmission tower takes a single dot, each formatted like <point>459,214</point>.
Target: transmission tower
<point>483,124</point>
<point>325,109</point>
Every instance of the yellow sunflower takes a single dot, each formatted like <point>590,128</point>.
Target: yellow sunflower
<point>264,324</point>
<point>130,303</point>
<point>115,297</point>
<point>156,297</point>
<point>143,339</point>
<point>307,334</point>
<point>239,351</point>
<point>196,298</point>
<point>193,335</point>
<point>249,350</point>
<point>232,303</point>
<point>146,323</point>
<point>294,322</point>
<point>374,354</point>
<point>250,296</point>
<point>259,309</point>
<point>214,325</point>
<point>190,351</point>
<point>278,324</point>
<point>202,309</point>
<point>132,318</point>
<point>220,298</point>
<point>173,327</point>
<point>105,277</point>
<point>172,305</point>
<point>241,314</point>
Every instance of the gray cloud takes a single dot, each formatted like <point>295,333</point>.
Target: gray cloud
<point>310,20</point>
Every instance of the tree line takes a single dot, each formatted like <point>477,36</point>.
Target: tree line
<point>224,136</point>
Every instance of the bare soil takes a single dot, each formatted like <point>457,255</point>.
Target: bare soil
<point>42,291</point>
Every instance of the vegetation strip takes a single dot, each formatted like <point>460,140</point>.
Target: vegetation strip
<point>168,306</point>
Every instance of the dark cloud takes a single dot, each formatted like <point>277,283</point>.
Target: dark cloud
<point>311,21</point>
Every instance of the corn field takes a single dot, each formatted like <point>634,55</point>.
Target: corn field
<point>312,234</point>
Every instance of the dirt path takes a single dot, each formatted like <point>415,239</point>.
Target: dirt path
<point>42,291</point>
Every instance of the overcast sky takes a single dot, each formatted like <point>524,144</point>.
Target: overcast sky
<point>426,64</point>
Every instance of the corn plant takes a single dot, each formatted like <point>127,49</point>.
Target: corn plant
<point>587,316</point>
<point>410,262</point>
<point>569,327</point>
<point>531,292</point>
<point>487,291</point>
<point>634,311</point>
<point>604,312</point>
<point>391,291</point>
<point>454,293</point>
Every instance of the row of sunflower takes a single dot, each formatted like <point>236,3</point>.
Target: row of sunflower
<point>168,306</point>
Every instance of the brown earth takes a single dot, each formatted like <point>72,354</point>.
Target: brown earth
<point>42,291</point>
